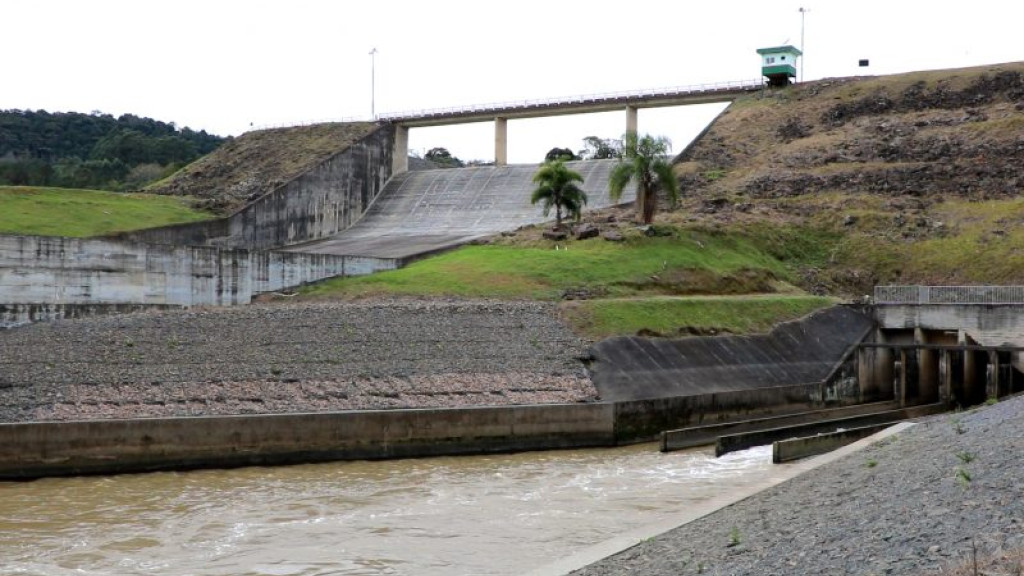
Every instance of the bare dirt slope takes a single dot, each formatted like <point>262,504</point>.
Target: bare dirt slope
<point>255,163</point>
<point>955,132</point>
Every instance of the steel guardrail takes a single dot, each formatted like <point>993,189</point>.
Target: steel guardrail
<point>949,295</point>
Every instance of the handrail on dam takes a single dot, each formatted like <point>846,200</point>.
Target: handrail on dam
<point>668,92</point>
<point>599,97</point>
<point>949,295</point>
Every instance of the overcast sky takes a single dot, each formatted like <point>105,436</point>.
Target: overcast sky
<point>223,65</point>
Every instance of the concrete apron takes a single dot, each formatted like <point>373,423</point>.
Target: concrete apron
<point>632,538</point>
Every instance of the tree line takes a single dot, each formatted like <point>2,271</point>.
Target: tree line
<point>75,150</point>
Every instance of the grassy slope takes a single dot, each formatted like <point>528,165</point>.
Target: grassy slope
<point>80,213</point>
<point>596,319</point>
<point>636,286</point>
<point>955,231</point>
<point>692,262</point>
<point>257,162</point>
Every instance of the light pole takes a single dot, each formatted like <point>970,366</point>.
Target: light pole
<point>803,12</point>
<point>373,82</point>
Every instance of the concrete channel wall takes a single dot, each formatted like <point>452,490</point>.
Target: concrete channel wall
<point>319,203</point>
<point>32,450</point>
<point>44,278</point>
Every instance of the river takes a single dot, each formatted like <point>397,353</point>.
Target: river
<point>481,515</point>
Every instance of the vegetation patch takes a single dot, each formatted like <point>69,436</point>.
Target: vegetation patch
<point>687,316</point>
<point>687,262</point>
<point>80,213</point>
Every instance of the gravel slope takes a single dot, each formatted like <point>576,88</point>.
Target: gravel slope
<point>291,358</point>
<point>898,507</point>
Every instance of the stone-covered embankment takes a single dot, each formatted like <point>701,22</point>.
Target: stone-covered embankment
<point>267,359</point>
<point>917,502</point>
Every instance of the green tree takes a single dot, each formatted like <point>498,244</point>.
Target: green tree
<point>645,160</point>
<point>443,157</point>
<point>600,148</point>
<point>557,186</point>
<point>560,154</point>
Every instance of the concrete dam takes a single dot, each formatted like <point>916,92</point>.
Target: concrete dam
<point>424,211</point>
<point>352,215</point>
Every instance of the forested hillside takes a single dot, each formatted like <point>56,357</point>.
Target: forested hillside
<point>70,149</point>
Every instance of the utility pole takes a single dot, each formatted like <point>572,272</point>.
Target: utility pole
<point>803,12</point>
<point>373,83</point>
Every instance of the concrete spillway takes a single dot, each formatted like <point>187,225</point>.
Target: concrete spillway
<point>423,211</point>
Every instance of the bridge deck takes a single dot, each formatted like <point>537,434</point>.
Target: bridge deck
<point>676,96</point>
<point>428,210</point>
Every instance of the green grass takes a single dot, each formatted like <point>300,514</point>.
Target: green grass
<point>81,213</point>
<point>980,243</point>
<point>688,263</point>
<point>598,319</point>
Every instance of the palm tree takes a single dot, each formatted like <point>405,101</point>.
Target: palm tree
<point>645,160</point>
<point>556,186</point>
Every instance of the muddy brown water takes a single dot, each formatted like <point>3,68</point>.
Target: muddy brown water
<point>486,515</point>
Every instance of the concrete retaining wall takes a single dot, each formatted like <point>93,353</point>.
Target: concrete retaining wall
<point>116,446</point>
<point>798,448</point>
<point>969,317</point>
<point>17,314</point>
<point>641,420</point>
<point>47,277</point>
<point>703,435</point>
<point>29,450</point>
<point>319,203</point>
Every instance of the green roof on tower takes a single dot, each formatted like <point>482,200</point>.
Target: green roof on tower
<point>777,49</point>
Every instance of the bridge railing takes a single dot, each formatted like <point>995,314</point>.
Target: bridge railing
<point>581,99</point>
<point>298,123</point>
<point>949,295</point>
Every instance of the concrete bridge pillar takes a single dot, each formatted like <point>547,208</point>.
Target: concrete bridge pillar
<point>631,113</point>
<point>946,377</point>
<point>928,370</point>
<point>865,373</point>
<point>901,379</point>
<point>970,377</point>
<point>501,141</point>
<point>883,369</point>
<point>400,151</point>
<point>992,375</point>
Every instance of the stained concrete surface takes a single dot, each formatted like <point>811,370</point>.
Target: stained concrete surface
<point>428,210</point>
<point>803,351</point>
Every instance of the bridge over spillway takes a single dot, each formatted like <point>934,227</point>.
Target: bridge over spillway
<point>425,211</point>
<point>500,113</point>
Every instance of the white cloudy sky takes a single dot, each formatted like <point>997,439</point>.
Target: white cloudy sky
<point>223,65</point>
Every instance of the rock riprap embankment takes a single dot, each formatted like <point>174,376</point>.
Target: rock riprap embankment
<point>911,504</point>
<point>291,358</point>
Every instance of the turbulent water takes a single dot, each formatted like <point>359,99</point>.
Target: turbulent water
<point>502,514</point>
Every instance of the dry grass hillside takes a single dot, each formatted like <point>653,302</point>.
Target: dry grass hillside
<point>258,162</point>
<point>906,178</point>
